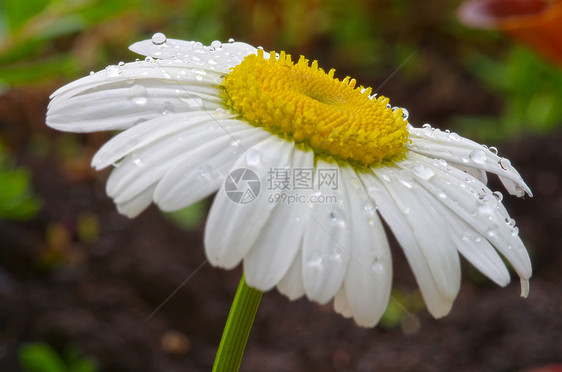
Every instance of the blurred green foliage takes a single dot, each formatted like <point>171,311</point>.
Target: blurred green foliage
<point>17,201</point>
<point>40,357</point>
<point>403,304</point>
<point>531,90</point>
<point>191,217</point>
<point>31,29</point>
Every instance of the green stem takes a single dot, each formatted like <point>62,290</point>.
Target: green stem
<point>237,328</point>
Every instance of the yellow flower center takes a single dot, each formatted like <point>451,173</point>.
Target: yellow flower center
<point>304,104</point>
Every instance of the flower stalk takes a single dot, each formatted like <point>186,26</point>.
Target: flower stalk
<point>237,328</point>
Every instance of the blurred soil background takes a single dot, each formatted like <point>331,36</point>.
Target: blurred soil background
<point>85,289</point>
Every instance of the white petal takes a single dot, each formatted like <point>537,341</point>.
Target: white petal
<point>326,244</point>
<point>221,58</point>
<point>233,228</point>
<point>97,102</point>
<point>292,284</point>
<point>204,167</point>
<point>459,150</point>
<point>147,165</point>
<point>146,133</point>
<point>428,267</point>
<point>474,203</point>
<point>134,206</point>
<point>368,279</point>
<point>479,174</point>
<point>341,304</point>
<point>281,237</point>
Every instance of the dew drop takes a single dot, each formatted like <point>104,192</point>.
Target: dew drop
<point>493,150</point>
<point>192,102</point>
<point>423,172</point>
<point>478,156</point>
<point>498,195</point>
<point>405,114</point>
<point>369,207</point>
<point>112,71</point>
<point>92,72</point>
<point>440,162</point>
<point>441,194</point>
<point>515,231</point>
<point>167,107</point>
<point>314,260</point>
<point>491,233</point>
<point>121,64</point>
<point>158,38</point>
<point>504,163</point>
<point>216,45</point>
<point>231,40</point>
<point>455,137</point>
<point>137,161</point>
<point>138,95</point>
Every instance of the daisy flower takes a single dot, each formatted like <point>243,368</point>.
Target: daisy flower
<point>306,168</point>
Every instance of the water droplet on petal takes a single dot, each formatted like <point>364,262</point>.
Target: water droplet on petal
<point>478,156</point>
<point>138,161</point>
<point>121,64</point>
<point>493,150</point>
<point>193,102</point>
<point>455,137</point>
<point>498,195</point>
<point>491,233</point>
<point>112,71</point>
<point>314,260</point>
<point>369,207</point>
<point>138,94</point>
<point>504,163</point>
<point>515,231</point>
<point>216,45</point>
<point>405,114</point>
<point>167,107</point>
<point>441,194</point>
<point>231,40</point>
<point>440,162</point>
<point>423,172</point>
<point>92,72</point>
<point>158,38</point>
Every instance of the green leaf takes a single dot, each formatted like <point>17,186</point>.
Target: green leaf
<point>32,71</point>
<point>40,357</point>
<point>190,217</point>
<point>18,12</point>
<point>17,201</point>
